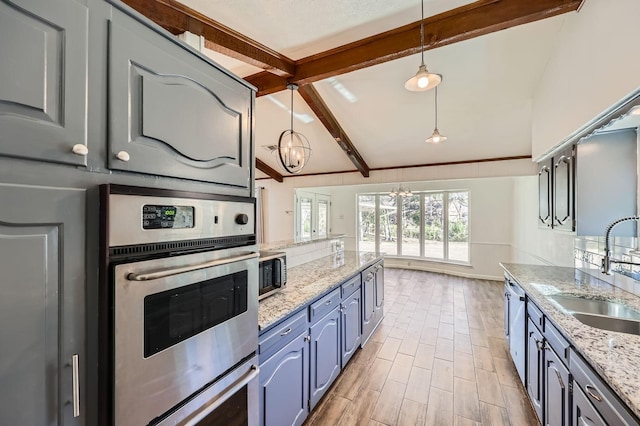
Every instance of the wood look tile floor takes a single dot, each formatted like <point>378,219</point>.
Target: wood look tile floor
<point>439,357</point>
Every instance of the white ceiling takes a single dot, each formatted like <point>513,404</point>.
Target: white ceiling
<point>484,100</point>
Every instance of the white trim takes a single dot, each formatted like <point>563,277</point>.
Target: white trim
<point>446,272</point>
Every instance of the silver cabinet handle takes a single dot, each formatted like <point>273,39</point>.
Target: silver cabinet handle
<point>307,338</point>
<point>287,331</point>
<point>226,394</point>
<point>175,271</point>
<point>76,384</point>
<point>123,156</point>
<point>539,344</point>
<point>560,379</point>
<point>589,388</point>
<point>327,303</point>
<point>369,277</point>
<point>80,149</point>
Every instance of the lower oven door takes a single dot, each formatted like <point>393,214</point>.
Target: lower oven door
<point>180,323</point>
<point>230,401</point>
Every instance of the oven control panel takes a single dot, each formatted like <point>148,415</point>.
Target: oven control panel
<point>140,219</point>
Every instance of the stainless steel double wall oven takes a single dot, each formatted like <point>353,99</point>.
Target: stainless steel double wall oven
<point>178,308</point>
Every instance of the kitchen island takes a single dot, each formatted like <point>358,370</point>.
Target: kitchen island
<point>308,281</point>
<point>614,356</point>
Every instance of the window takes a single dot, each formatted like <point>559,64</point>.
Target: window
<point>432,225</point>
<point>312,215</point>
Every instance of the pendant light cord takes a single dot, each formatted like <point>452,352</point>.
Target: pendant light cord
<point>436,107</point>
<point>292,110</point>
<point>422,31</point>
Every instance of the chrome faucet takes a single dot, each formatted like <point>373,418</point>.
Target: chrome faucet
<point>607,261</point>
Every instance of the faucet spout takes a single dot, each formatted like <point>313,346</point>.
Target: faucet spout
<point>607,261</point>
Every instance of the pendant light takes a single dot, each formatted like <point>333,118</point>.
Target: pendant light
<point>293,149</point>
<point>423,80</point>
<point>404,192</point>
<point>436,137</point>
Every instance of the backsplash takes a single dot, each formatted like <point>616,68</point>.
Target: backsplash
<point>306,251</point>
<point>589,252</point>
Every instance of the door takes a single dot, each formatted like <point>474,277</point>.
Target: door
<point>535,367</point>
<point>43,90</point>
<point>42,259</point>
<point>284,385</point>
<point>351,336</point>
<point>325,355</point>
<point>174,114</point>
<point>312,216</point>
<point>557,400</point>
<point>563,191</point>
<point>544,195</point>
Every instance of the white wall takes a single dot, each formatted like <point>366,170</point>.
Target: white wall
<point>531,244</point>
<point>595,64</point>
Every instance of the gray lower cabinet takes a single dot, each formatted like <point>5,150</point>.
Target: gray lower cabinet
<point>284,385</point>
<point>174,114</point>
<point>43,90</point>
<point>325,355</point>
<point>535,368</point>
<point>584,414</point>
<point>557,390</point>
<point>42,259</point>
<point>372,299</point>
<point>351,336</point>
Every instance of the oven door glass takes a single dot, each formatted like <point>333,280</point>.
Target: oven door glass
<point>173,316</point>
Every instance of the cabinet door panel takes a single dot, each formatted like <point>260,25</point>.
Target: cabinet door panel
<point>43,110</point>
<point>173,113</point>
<point>325,355</point>
<point>535,366</point>
<point>284,385</point>
<point>350,327</point>
<point>563,191</point>
<point>42,259</point>
<point>557,402</point>
<point>368,306</point>
<point>544,196</point>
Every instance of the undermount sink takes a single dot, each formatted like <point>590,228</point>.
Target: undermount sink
<point>601,314</point>
<point>609,323</point>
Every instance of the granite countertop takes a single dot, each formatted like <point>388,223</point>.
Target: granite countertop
<point>308,281</point>
<point>615,356</point>
<point>275,245</point>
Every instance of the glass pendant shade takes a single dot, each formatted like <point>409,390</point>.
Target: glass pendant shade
<point>294,149</point>
<point>436,137</point>
<point>423,80</point>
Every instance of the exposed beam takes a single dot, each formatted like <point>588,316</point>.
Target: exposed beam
<point>463,23</point>
<point>178,18</point>
<point>266,169</point>
<point>320,109</point>
<point>267,83</point>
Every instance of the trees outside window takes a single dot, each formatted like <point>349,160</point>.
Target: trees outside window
<point>433,225</point>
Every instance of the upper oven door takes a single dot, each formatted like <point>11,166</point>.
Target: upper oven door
<point>179,323</point>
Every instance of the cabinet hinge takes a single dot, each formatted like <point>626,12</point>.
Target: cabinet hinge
<point>570,388</point>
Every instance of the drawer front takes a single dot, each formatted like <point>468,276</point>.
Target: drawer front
<point>323,306</point>
<point>535,314</point>
<point>612,410</point>
<point>350,286</point>
<point>557,342</point>
<point>283,333</point>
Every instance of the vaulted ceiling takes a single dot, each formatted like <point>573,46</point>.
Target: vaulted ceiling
<point>351,59</point>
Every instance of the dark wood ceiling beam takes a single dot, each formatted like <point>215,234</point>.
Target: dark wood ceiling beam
<point>178,18</point>
<point>268,170</point>
<point>267,83</point>
<point>463,23</point>
<point>320,109</point>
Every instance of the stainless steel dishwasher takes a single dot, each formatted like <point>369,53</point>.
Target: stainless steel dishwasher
<point>515,323</point>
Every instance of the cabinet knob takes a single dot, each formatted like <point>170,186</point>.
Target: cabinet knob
<point>80,149</point>
<point>123,156</point>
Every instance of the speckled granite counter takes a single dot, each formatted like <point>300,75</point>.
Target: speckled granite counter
<point>308,281</point>
<point>279,245</point>
<point>615,356</point>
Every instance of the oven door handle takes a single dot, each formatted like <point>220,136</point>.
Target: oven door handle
<point>226,394</point>
<point>176,271</point>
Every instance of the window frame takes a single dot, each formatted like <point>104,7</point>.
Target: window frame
<point>400,225</point>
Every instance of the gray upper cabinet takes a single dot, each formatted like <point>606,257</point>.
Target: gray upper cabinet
<point>43,89</point>
<point>563,190</point>
<point>42,259</point>
<point>544,194</point>
<point>172,113</point>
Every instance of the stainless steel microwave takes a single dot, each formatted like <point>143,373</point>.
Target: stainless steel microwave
<point>272,273</point>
